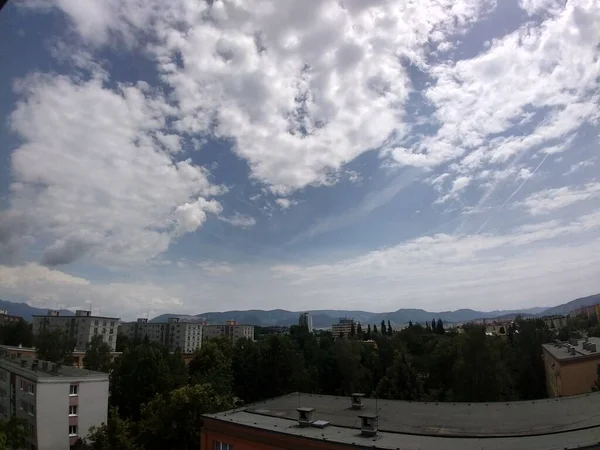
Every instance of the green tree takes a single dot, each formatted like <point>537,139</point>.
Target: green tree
<point>433,325</point>
<point>439,327</point>
<point>139,374</point>
<point>246,370</point>
<point>390,330</point>
<point>352,330</point>
<point>374,329</point>
<point>211,365</point>
<point>55,346</point>
<point>17,333</point>
<point>13,433</point>
<point>368,334</point>
<point>383,329</point>
<point>596,385</point>
<point>116,433</point>
<point>359,331</point>
<point>172,420</point>
<point>401,381</point>
<point>97,355</point>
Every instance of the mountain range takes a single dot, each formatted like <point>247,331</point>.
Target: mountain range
<point>325,317</point>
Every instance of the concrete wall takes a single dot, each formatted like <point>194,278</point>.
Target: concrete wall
<point>93,405</point>
<point>52,412</point>
<point>570,377</point>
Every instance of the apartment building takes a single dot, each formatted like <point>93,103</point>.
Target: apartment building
<point>59,403</point>
<point>571,367</point>
<point>21,352</point>
<point>82,327</point>
<point>231,329</point>
<point>343,328</point>
<point>305,320</point>
<point>6,318</point>
<point>174,334</point>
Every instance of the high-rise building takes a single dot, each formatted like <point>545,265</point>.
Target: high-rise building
<point>305,320</point>
<point>58,403</point>
<point>82,327</point>
<point>343,328</point>
<point>174,334</point>
<point>232,330</point>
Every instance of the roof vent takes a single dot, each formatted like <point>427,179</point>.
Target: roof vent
<point>369,424</point>
<point>592,348</point>
<point>320,423</point>
<point>305,416</point>
<point>356,399</point>
<point>573,341</point>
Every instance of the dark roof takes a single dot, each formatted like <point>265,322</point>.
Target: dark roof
<point>542,424</point>
<point>561,351</point>
<point>15,365</point>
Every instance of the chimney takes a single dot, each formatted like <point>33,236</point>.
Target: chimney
<point>356,400</point>
<point>305,416</point>
<point>369,424</point>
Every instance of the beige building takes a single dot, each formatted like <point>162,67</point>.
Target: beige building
<point>82,327</point>
<point>343,327</point>
<point>174,334</point>
<point>232,330</point>
<point>571,367</point>
<point>555,322</point>
<point>58,403</point>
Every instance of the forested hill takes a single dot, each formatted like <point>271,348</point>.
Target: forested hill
<point>324,318</point>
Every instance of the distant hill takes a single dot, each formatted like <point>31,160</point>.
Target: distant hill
<point>324,318</point>
<point>26,311</point>
<point>566,308</point>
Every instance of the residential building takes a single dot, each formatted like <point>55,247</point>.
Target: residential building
<point>20,352</point>
<point>305,320</point>
<point>555,322</point>
<point>6,318</point>
<point>343,328</point>
<point>174,334</point>
<point>82,327</point>
<point>58,403</point>
<point>275,330</point>
<point>319,422</point>
<point>571,367</point>
<point>590,310</point>
<point>231,329</point>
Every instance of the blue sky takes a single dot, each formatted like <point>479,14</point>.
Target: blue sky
<point>187,156</point>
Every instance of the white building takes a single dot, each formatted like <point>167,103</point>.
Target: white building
<point>305,320</point>
<point>231,330</point>
<point>58,403</point>
<point>174,334</point>
<point>343,328</point>
<point>82,327</point>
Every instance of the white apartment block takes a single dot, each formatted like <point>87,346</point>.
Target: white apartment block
<point>59,403</point>
<point>343,328</point>
<point>231,330</point>
<point>187,336</point>
<point>81,327</point>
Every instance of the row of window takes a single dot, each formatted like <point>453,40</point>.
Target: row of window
<point>28,407</point>
<point>218,445</point>
<point>104,322</point>
<point>27,386</point>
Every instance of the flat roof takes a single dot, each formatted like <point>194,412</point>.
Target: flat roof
<point>566,422</point>
<point>15,365</point>
<point>33,350</point>
<point>561,351</point>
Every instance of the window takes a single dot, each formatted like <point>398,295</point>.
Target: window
<point>112,323</point>
<point>31,429</point>
<point>103,330</point>
<point>95,330</point>
<point>31,409</point>
<point>31,388</point>
<point>72,410</point>
<point>2,375</point>
<point>72,430</point>
<point>218,445</point>
<point>21,384</point>
<point>104,323</point>
<point>95,323</point>
<point>111,331</point>
<point>74,389</point>
<point>24,405</point>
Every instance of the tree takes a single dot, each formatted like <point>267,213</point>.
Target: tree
<point>359,331</point>
<point>368,335</point>
<point>172,420</point>
<point>383,329</point>
<point>374,329</point>
<point>246,370</point>
<point>352,330</point>
<point>439,327</point>
<point>55,346</point>
<point>390,331</point>
<point>139,374</point>
<point>116,433</point>
<point>410,324</point>
<point>13,433</point>
<point>210,365</point>
<point>433,325</point>
<point>97,355</point>
<point>596,385</point>
<point>401,381</point>
<point>17,333</point>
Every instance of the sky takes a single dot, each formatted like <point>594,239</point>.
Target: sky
<point>191,156</point>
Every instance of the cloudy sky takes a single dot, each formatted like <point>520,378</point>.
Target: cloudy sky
<point>188,156</point>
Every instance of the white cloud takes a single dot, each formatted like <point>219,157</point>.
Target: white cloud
<point>90,177</point>
<point>239,220</point>
<point>579,166</point>
<point>285,203</point>
<point>550,200</point>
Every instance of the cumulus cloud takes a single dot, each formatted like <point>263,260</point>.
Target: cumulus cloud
<point>91,176</point>
<point>239,220</point>
<point>549,200</point>
<point>285,203</point>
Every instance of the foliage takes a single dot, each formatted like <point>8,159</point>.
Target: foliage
<point>596,385</point>
<point>55,346</point>
<point>97,355</point>
<point>172,420</point>
<point>116,433</point>
<point>211,364</point>
<point>13,433</point>
<point>17,333</point>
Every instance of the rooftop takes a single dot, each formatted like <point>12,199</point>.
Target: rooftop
<point>562,350</point>
<point>46,371</point>
<point>542,424</point>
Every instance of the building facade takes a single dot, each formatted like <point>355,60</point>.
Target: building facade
<point>6,318</point>
<point>343,328</point>
<point>311,422</point>
<point>305,320</point>
<point>82,327</point>
<point>20,352</point>
<point>231,330</point>
<point>59,404</point>
<point>590,310</point>
<point>571,367</point>
<point>174,334</point>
